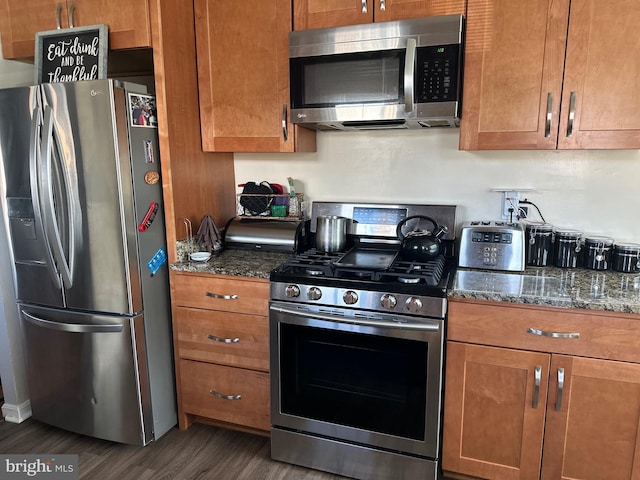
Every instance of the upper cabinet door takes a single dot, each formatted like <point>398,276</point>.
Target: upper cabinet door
<point>530,85</point>
<point>23,19</point>
<point>513,69</point>
<point>309,14</point>
<point>388,10</point>
<point>601,96</point>
<point>243,77</point>
<point>128,22</point>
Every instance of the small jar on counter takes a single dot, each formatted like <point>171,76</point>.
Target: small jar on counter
<point>539,240</point>
<point>626,257</point>
<point>597,253</point>
<point>568,248</point>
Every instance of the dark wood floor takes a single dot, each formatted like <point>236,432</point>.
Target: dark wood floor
<point>200,452</point>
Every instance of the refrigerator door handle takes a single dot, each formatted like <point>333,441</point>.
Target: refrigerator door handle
<point>65,266</point>
<point>71,327</point>
<point>35,153</point>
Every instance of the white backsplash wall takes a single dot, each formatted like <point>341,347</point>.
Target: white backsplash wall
<point>594,191</point>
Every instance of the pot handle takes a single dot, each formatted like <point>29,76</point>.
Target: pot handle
<point>436,232</point>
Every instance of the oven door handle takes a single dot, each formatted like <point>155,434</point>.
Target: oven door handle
<point>357,321</point>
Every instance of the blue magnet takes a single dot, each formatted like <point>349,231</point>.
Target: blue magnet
<point>157,261</point>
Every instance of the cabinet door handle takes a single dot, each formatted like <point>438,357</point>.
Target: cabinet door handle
<point>225,397</point>
<point>547,127</point>
<point>560,389</point>
<point>536,386</point>
<point>58,14</point>
<point>72,9</point>
<point>572,113</point>
<point>544,333</point>
<point>285,132</point>
<point>223,340</point>
<point>383,5</point>
<point>222,297</point>
<point>364,6</point>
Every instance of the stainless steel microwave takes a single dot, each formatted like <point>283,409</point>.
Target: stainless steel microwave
<point>400,74</point>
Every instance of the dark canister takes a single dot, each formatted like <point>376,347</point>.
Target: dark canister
<point>539,240</point>
<point>626,257</point>
<point>567,248</point>
<point>597,253</point>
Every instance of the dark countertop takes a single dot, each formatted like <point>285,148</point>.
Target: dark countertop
<point>243,263</point>
<point>553,287</point>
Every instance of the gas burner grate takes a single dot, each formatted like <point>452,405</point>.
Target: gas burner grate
<point>312,262</point>
<point>406,271</point>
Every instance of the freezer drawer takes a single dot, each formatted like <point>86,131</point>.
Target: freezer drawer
<point>88,373</point>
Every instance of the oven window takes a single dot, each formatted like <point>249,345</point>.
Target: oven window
<point>362,381</point>
<point>332,80</point>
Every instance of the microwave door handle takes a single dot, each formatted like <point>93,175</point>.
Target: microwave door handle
<point>35,153</point>
<point>409,68</point>
<point>51,224</point>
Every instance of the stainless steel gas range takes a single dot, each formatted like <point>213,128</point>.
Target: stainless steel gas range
<point>357,340</point>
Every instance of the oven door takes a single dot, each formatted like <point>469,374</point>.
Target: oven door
<point>370,379</point>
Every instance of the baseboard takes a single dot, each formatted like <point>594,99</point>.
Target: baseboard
<point>16,413</point>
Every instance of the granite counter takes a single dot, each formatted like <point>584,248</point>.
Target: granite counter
<point>243,263</point>
<point>554,287</point>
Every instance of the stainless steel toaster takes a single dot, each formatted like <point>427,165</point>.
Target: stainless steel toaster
<point>492,245</point>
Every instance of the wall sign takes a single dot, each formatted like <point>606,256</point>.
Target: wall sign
<point>72,54</point>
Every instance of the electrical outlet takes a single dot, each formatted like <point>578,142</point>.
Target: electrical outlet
<point>510,200</point>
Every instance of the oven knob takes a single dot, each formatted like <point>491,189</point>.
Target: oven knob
<point>414,305</point>
<point>314,293</point>
<point>350,297</point>
<point>292,291</point>
<point>388,301</point>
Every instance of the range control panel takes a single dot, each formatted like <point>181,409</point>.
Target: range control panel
<point>492,245</point>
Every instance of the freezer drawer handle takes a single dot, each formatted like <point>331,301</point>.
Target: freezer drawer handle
<point>223,340</point>
<point>223,297</point>
<point>71,327</point>
<point>225,397</point>
<point>544,333</point>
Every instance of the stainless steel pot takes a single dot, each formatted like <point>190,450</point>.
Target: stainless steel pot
<point>331,233</point>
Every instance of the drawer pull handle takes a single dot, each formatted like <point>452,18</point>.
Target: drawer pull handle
<point>536,389</point>
<point>225,397</point>
<point>223,340</point>
<point>223,297</point>
<point>543,333</point>
<point>560,389</point>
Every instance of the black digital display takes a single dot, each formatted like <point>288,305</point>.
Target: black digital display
<point>379,216</point>
<point>491,237</point>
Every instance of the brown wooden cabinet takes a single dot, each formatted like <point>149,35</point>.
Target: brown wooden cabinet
<point>525,406</point>
<point>128,22</point>
<point>221,338</point>
<point>310,14</point>
<point>243,77</point>
<point>539,77</point>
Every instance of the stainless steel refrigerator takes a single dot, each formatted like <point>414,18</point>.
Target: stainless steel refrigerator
<point>82,204</point>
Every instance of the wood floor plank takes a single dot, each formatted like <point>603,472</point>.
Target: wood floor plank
<point>201,452</point>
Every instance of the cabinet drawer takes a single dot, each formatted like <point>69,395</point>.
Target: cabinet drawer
<point>222,337</point>
<point>217,293</point>
<point>599,335</point>
<point>251,409</point>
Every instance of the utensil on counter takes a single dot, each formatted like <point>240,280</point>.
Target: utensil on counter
<point>208,235</point>
<point>420,245</point>
<point>331,233</point>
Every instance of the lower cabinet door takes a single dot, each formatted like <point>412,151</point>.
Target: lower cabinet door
<point>228,394</point>
<point>593,420</point>
<point>494,412</point>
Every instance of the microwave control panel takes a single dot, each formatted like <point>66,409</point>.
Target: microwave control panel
<point>437,70</point>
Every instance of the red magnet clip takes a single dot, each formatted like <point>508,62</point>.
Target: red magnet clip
<point>148,218</point>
